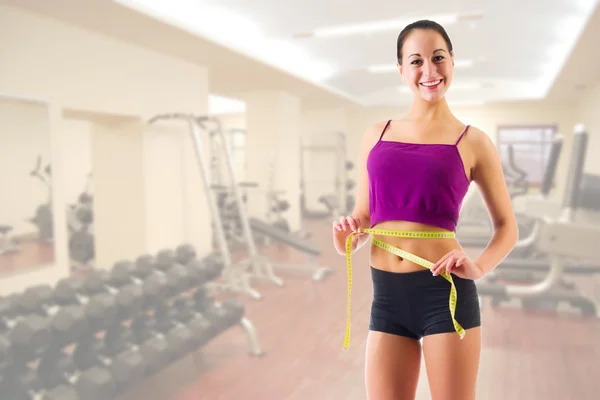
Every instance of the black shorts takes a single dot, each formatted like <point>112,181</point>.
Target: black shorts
<point>416,304</point>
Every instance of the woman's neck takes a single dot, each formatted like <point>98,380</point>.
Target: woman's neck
<point>422,110</point>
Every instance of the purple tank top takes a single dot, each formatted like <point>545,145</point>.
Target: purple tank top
<point>423,183</point>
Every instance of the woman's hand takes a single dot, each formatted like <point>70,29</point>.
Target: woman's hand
<point>457,263</point>
<point>342,229</point>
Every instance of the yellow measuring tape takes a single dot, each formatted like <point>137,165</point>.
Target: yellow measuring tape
<point>407,256</point>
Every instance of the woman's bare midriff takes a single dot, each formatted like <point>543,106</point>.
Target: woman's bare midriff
<point>429,249</point>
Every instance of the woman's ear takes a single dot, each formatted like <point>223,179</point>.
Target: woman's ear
<point>400,70</point>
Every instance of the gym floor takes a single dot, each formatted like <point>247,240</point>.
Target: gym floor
<point>32,256</point>
<point>526,355</point>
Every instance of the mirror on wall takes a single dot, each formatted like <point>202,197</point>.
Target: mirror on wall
<point>26,213</point>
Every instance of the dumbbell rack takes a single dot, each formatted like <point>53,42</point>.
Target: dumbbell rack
<point>98,337</point>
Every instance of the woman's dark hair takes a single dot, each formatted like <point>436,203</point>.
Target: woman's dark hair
<point>422,24</point>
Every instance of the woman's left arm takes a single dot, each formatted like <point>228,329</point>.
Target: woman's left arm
<point>488,176</point>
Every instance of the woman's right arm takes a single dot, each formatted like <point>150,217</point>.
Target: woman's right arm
<point>360,217</point>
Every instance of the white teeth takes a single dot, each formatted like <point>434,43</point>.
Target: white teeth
<point>431,83</point>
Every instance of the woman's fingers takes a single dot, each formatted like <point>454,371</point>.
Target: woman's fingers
<point>351,223</point>
<point>436,266</point>
<point>344,223</point>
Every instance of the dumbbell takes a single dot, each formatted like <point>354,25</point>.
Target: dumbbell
<point>116,344</point>
<point>167,319</point>
<point>56,370</point>
<point>178,273</point>
<point>100,308</point>
<point>158,285</point>
<point>185,253</point>
<point>178,336</point>
<point>67,323</point>
<point>123,363</point>
<point>25,385</point>
<point>153,350</point>
<point>183,310</point>
<point>155,347</point>
<point>203,270</point>
<point>19,382</point>
<point>221,315</point>
<point>174,277</point>
<point>128,298</point>
<point>126,367</point>
<point>4,353</point>
<point>27,333</point>
<point>60,375</point>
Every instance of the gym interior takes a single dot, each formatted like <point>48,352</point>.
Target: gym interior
<point>172,171</point>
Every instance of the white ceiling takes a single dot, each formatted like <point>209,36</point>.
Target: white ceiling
<point>516,48</point>
<point>513,47</point>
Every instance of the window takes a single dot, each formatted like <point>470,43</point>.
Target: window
<point>530,147</point>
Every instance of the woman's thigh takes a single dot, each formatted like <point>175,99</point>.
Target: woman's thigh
<point>452,364</point>
<point>392,366</point>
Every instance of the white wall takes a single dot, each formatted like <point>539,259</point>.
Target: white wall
<point>85,70</point>
<point>89,77</point>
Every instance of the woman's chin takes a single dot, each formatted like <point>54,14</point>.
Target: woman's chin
<point>432,98</point>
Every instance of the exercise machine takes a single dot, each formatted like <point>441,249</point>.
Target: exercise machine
<point>44,217</point>
<point>237,274</point>
<point>277,205</point>
<point>341,199</point>
<point>568,242</point>
<point>516,178</point>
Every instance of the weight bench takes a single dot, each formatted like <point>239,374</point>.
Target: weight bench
<point>6,243</point>
<point>263,228</point>
<point>332,204</point>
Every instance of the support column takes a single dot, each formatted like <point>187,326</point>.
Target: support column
<point>119,197</point>
<point>274,126</point>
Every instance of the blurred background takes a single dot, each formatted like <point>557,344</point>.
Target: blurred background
<point>171,170</point>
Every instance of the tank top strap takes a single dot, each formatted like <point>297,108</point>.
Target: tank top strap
<point>384,129</point>
<point>462,135</point>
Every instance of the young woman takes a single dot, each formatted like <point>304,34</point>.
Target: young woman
<point>414,174</point>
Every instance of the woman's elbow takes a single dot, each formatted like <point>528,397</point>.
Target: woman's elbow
<point>508,227</point>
